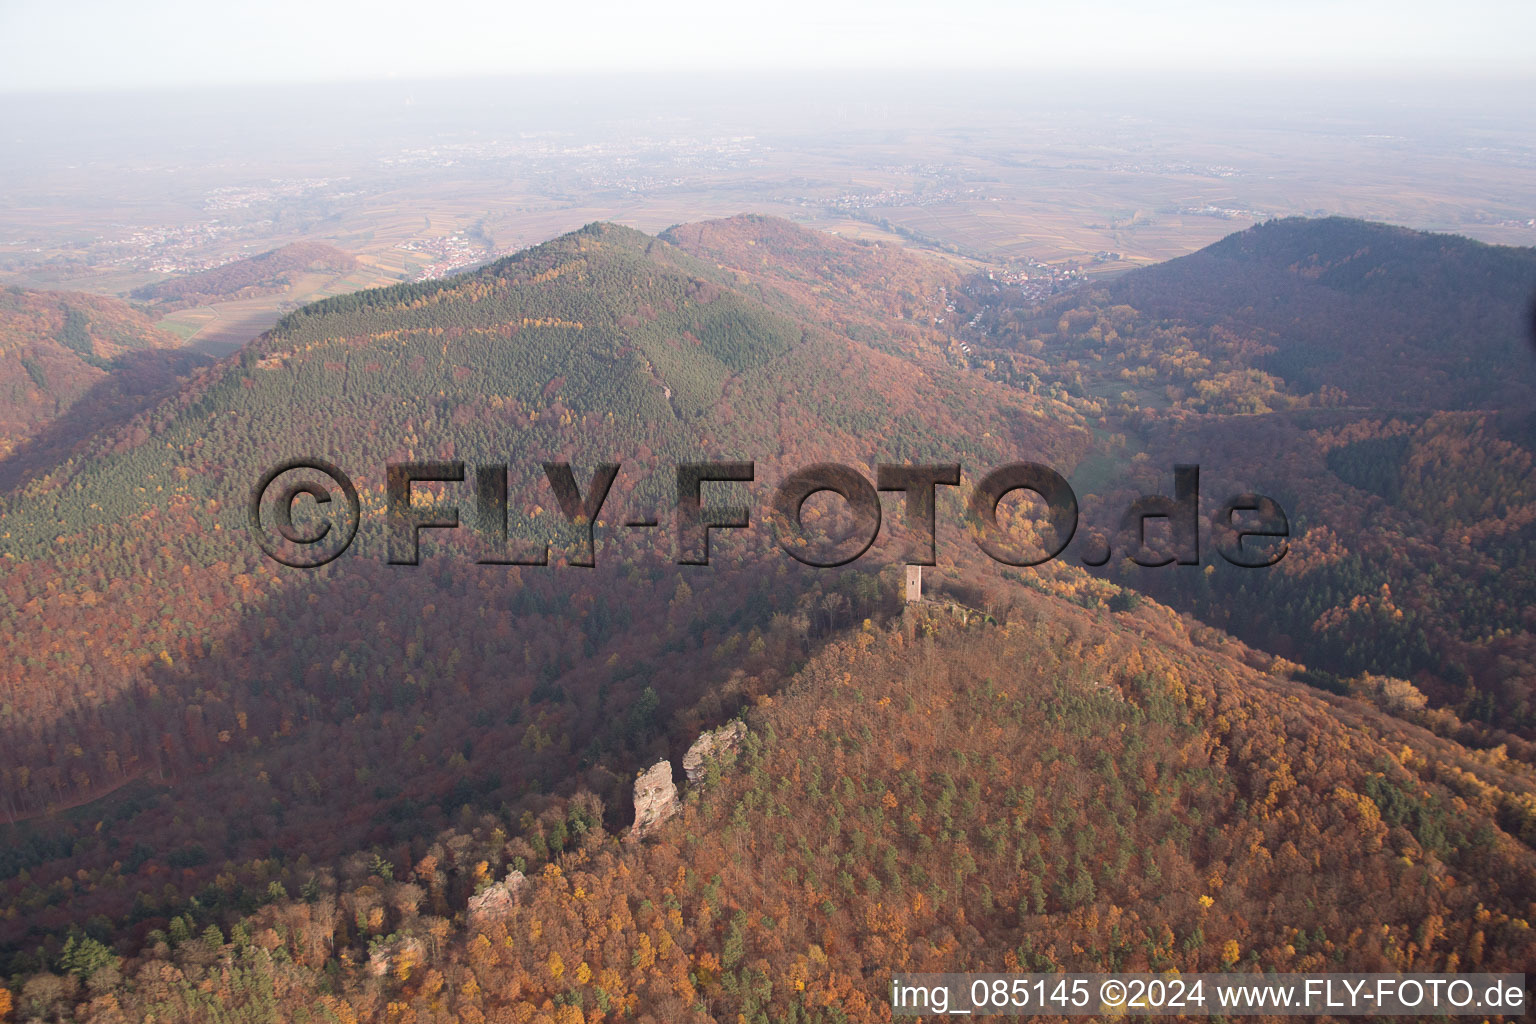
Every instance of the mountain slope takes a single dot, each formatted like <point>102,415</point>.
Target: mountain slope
<point>1395,318</point>
<point>284,787</point>
<point>1376,381</point>
<point>55,347</point>
<point>1067,791</point>
<point>184,668</point>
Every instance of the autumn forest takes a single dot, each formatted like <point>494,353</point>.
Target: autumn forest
<point>231,790</point>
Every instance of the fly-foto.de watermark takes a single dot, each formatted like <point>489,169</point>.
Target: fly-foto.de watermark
<point>1249,530</point>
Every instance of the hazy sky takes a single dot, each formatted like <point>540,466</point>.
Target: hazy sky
<point>48,45</point>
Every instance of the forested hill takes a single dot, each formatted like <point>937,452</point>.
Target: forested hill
<point>261,274</point>
<point>1381,384</point>
<point>221,706</point>
<point>1062,790</point>
<point>56,347</point>
<point>224,781</point>
<point>1396,318</point>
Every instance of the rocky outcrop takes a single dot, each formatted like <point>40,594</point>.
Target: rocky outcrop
<point>719,744</point>
<point>656,794</point>
<point>495,902</point>
<point>655,799</point>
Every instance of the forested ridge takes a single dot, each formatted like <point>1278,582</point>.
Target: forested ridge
<point>59,347</point>
<point>1060,790</point>
<point>239,791</point>
<point>221,707</point>
<point>1379,383</point>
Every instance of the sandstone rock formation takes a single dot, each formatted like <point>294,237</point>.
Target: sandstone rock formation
<point>655,799</point>
<point>495,902</point>
<point>719,743</point>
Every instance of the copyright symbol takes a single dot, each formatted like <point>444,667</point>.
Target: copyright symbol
<point>1112,993</point>
<point>316,543</point>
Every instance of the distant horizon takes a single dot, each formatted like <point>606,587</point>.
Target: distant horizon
<point>176,44</point>
<point>1170,78</point>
